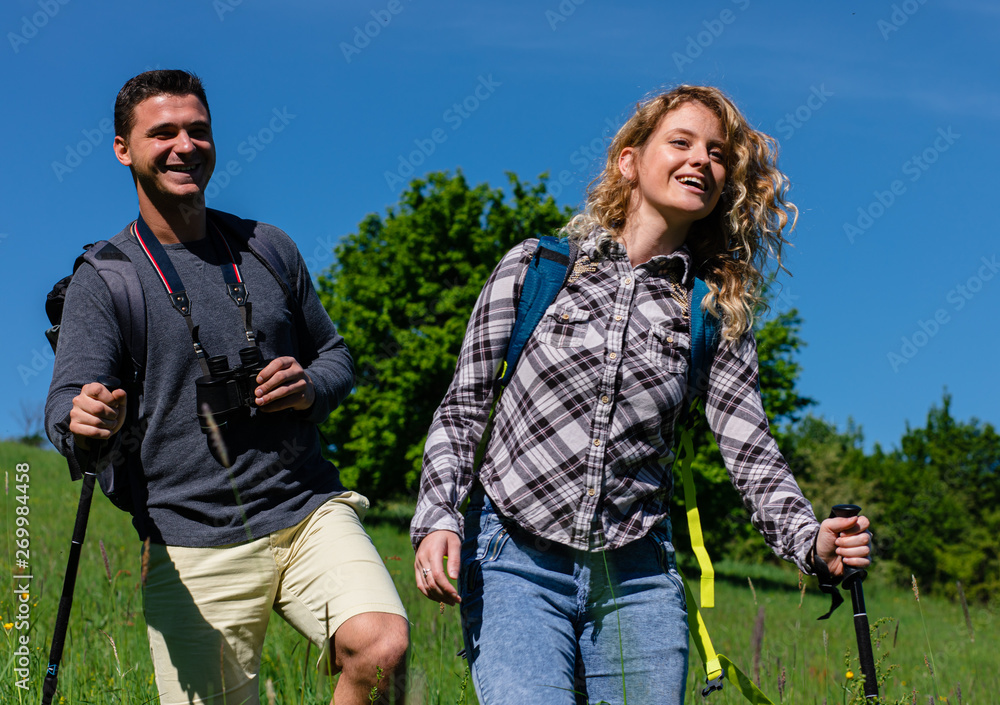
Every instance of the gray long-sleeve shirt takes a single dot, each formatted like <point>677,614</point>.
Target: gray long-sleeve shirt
<point>184,496</point>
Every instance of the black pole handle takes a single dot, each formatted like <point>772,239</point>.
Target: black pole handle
<point>851,573</point>
<point>853,579</point>
<point>90,467</point>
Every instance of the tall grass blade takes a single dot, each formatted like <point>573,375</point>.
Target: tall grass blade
<point>107,564</point>
<point>931,666</point>
<point>965,611</point>
<point>614,601</point>
<point>757,642</point>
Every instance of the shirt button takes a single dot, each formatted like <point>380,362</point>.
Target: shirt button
<point>670,339</point>
<point>591,492</point>
<point>628,280</point>
<point>613,356</point>
<point>597,441</point>
<point>565,316</point>
<point>618,318</point>
<point>605,399</point>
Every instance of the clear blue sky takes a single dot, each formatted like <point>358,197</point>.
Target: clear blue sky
<point>318,107</point>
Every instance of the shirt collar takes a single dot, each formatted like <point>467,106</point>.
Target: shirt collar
<point>677,265</point>
<point>146,232</point>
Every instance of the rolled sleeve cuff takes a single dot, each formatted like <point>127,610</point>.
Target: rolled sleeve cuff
<point>435,518</point>
<point>805,550</point>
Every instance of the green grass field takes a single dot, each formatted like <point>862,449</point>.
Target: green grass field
<point>106,659</point>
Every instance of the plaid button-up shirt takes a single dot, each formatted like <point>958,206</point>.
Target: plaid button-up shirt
<point>581,450</point>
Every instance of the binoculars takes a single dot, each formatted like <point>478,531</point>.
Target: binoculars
<point>226,394</point>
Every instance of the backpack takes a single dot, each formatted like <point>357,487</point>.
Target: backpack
<point>119,273</point>
<point>547,273</point>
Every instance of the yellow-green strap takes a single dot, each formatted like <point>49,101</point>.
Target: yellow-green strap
<point>742,681</point>
<point>694,522</point>
<point>702,641</point>
<point>718,666</point>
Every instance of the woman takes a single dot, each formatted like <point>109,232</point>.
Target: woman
<point>568,579</point>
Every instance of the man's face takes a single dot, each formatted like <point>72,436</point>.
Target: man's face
<point>170,148</point>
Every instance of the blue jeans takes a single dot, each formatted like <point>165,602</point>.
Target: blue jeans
<point>544,623</point>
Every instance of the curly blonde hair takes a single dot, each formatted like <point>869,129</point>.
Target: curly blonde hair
<point>730,246</point>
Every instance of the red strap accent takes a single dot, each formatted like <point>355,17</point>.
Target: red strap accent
<point>142,243</point>
<point>231,258</point>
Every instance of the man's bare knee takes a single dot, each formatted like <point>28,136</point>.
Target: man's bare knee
<point>371,641</point>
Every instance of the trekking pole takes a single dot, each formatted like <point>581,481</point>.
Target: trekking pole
<point>853,577</point>
<point>69,583</point>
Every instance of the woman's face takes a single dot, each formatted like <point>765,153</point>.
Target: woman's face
<point>680,173</point>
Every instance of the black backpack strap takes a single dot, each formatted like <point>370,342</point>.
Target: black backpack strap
<point>261,248</point>
<point>269,257</point>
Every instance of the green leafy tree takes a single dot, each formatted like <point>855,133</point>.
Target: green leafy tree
<point>829,465</point>
<point>937,505</point>
<point>401,291</point>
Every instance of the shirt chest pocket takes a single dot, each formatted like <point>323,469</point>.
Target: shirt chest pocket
<point>563,327</point>
<point>667,349</point>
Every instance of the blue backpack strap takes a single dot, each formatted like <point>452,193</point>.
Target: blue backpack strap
<point>704,338</point>
<point>547,273</point>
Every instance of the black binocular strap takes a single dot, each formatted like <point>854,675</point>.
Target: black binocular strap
<point>235,287</point>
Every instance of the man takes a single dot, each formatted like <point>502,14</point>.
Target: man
<point>257,520</point>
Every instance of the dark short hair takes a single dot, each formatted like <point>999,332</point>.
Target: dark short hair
<point>148,85</point>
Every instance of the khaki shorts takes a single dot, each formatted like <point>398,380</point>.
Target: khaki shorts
<point>207,609</point>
